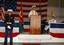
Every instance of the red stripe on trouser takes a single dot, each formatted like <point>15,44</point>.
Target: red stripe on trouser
<point>31,43</point>
<point>57,35</point>
<point>2,34</point>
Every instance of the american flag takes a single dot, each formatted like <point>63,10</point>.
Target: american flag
<point>25,6</point>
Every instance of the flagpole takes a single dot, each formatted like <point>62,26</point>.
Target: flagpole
<point>40,7</point>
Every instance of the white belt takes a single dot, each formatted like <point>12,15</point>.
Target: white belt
<point>8,22</point>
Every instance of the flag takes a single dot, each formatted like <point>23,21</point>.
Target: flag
<point>10,4</point>
<point>18,8</point>
<point>57,30</point>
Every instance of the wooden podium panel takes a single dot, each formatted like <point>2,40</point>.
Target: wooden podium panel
<point>35,24</point>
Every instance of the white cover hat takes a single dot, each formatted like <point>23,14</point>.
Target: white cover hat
<point>9,10</point>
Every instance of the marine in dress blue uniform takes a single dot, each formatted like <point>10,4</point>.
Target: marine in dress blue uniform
<point>9,20</point>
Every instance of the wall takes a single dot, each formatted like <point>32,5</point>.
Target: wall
<point>56,7</point>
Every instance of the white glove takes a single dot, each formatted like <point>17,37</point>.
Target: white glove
<point>46,27</point>
<point>8,27</point>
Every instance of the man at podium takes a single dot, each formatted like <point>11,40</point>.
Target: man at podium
<point>33,11</point>
<point>35,21</point>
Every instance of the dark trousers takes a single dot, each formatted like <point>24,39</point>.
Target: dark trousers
<point>42,29</point>
<point>8,31</point>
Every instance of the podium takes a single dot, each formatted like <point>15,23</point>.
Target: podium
<point>35,24</point>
